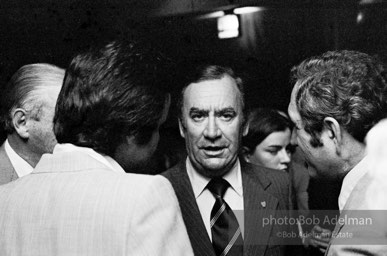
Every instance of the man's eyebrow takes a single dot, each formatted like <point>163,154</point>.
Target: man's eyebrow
<point>227,110</point>
<point>198,111</point>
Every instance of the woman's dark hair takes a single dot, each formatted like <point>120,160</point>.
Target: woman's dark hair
<point>262,122</point>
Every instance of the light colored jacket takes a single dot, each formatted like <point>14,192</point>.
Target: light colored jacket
<point>73,204</point>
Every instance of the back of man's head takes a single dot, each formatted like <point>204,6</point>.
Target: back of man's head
<point>27,89</point>
<point>349,86</point>
<point>109,94</point>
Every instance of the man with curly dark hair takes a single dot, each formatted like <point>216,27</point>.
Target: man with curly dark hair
<point>79,200</point>
<point>337,98</point>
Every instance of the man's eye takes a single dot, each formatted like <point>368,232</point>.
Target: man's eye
<point>227,116</point>
<point>197,117</point>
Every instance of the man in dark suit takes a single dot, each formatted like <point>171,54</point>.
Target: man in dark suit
<point>231,222</point>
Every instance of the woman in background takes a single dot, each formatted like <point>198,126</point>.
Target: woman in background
<point>268,140</point>
<point>268,144</point>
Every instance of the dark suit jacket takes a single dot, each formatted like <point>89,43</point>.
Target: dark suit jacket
<point>264,192</point>
<point>7,172</point>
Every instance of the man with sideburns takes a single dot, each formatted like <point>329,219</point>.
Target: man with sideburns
<point>337,98</point>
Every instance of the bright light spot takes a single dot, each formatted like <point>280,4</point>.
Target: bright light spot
<point>360,17</point>
<point>247,9</point>
<point>228,26</point>
<point>211,15</point>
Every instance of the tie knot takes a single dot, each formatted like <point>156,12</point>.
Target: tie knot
<point>218,186</point>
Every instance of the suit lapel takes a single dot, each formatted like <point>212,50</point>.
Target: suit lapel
<point>200,240</point>
<point>355,201</point>
<point>336,230</point>
<point>258,204</point>
<point>339,225</point>
<point>7,172</point>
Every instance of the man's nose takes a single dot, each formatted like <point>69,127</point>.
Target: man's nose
<point>212,130</point>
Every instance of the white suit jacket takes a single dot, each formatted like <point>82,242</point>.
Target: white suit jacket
<point>362,239</point>
<point>73,204</point>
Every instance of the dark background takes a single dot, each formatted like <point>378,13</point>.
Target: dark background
<point>272,40</point>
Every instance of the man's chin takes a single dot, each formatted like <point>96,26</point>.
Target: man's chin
<point>322,175</point>
<point>212,170</point>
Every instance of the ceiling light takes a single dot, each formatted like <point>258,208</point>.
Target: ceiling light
<point>228,26</point>
<point>247,9</point>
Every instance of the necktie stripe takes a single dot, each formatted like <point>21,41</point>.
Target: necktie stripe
<point>215,218</point>
<point>226,234</point>
<point>231,243</point>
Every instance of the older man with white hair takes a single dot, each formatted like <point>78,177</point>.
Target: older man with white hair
<point>27,112</point>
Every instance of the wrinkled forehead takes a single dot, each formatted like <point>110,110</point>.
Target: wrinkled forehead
<point>213,95</point>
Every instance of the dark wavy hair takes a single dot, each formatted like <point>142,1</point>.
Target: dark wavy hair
<point>263,122</point>
<point>207,73</point>
<point>111,93</point>
<point>349,86</point>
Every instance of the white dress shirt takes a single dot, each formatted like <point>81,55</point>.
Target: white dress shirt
<point>206,200</point>
<point>350,181</point>
<point>22,168</point>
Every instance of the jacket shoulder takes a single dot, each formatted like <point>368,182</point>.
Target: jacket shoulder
<point>266,174</point>
<point>273,181</point>
<point>173,172</point>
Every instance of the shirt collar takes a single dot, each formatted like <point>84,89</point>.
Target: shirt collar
<point>105,159</point>
<point>21,166</point>
<point>199,182</point>
<point>350,181</point>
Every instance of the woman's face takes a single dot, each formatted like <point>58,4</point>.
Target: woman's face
<point>273,152</point>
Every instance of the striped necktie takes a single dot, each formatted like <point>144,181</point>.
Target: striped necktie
<point>226,233</point>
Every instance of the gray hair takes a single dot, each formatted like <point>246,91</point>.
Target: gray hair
<point>26,88</point>
<point>349,86</point>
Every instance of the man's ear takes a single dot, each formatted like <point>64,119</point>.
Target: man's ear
<point>19,121</point>
<point>334,132</point>
<point>245,154</point>
<point>181,128</point>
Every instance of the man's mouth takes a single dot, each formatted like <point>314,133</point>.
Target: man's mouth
<point>213,150</point>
